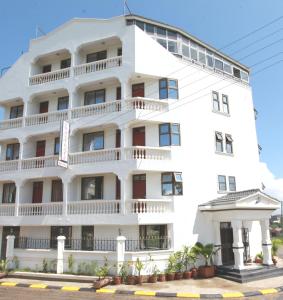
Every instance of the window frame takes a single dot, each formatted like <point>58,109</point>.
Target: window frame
<point>234,189</point>
<point>65,63</point>
<point>219,183</point>
<point>229,141</point>
<point>19,111</point>
<point>9,188</point>
<point>13,146</point>
<point>54,194</point>
<point>170,133</point>
<point>64,99</point>
<point>96,133</point>
<point>218,141</point>
<point>83,179</point>
<point>225,103</point>
<point>96,56</point>
<point>49,67</point>
<point>95,92</point>
<point>167,87</point>
<point>215,101</point>
<point>174,183</point>
<point>56,142</point>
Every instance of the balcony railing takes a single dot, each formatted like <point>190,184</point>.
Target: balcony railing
<point>152,153</point>
<point>50,76</point>
<point>7,210</point>
<point>96,66</point>
<point>41,209</point>
<point>11,123</point>
<point>40,162</point>
<point>85,207</point>
<point>149,206</point>
<point>9,165</point>
<point>146,104</point>
<point>45,118</point>
<point>94,156</point>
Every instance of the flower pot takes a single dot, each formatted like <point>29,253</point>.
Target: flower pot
<point>131,279</point>
<point>170,276</point>
<point>274,261</point>
<point>161,277</point>
<point>139,279</point>
<point>206,271</point>
<point>117,280</point>
<point>258,260</point>
<point>178,276</point>
<point>194,273</point>
<point>187,275</point>
<point>152,279</point>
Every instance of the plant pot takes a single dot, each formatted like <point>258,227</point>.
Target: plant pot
<point>117,280</point>
<point>161,277</point>
<point>274,261</point>
<point>98,284</point>
<point>170,276</point>
<point>178,276</point>
<point>139,279</point>
<point>194,273</point>
<point>187,275</point>
<point>206,271</point>
<point>152,279</point>
<point>131,279</point>
<point>258,260</point>
<point>3,274</point>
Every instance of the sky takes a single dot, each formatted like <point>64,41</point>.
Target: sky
<point>217,22</point>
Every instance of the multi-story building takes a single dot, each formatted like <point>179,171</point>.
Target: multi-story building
<point>156,124</point>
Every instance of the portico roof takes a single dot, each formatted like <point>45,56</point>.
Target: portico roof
<point>253,199</point>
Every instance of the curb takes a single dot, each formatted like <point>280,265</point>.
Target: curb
<point>146,293</point>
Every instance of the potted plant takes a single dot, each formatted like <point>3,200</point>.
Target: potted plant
<point>206,251</point>
<point>178,265</point>
<point>259,258</point>
<point>139,266</point>
<point>188,257</point>
<point>3,268</point>
<point>122,274</point>
<point>102,272</point>
<point>153,276</point>
<point>170,270</point>
<point>161,277</point>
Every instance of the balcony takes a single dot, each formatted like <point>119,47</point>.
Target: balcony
<point>45,118</point>
<point>39,162</point>
<point>11,123</point>
<point>41,209</point>
<point>49,77</point>
<point>149,206</point>
<point>9,165</point>
<point>94,207</point>
<point>7,210</point>
<point>94,156</point>
<point>148,153</point>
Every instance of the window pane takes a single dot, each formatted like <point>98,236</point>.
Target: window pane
<point>219,146</point>
<point>244,76</point>
<point>172,35</point>
<point>99,96</point>
<point>163,83</point>
<point>175,128</point>
<point>227,68</point>
<point>167,177</point>
<point>164,128</point>
<point>172,46</point>
<point>140,25</point>
<point>88,188</point>
<point>202,57</point>
<point>172,94</point>
<point>89,98</point>
<point>216,105</point>
<point>93,141</point>
<point>162,43</point>
<point>222,183</point>
<point>164,140</point>
<point>63,103</point>
<point>173,83</point>
<point>175,139</point>
<point>218,64</point>
<point>229,147</point>
<point>167,189</point>
<point>178,177</point>
<point>149,28</point>
<point>194,54</point>
<point>163,94</point>
<point>236,72</point>
<point>209,60</point>
<point>57,146</point>
<point>161,31</point>
<point>186,50</point>
<point>232,183</point>
<point>178,188</point>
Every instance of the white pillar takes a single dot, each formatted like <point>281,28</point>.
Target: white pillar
<point>217,243</point>
<point>125,93</point>
<point>66,193</point>
<point>121,240</point>
<point>124,143</point>
<point>60,254</point>
<point>123,185</point>
<point>238,246</point>
<point>266,242</point>
<point>19,185</point>
<point>10,251</point>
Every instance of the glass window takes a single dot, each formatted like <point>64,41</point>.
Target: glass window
<point>162,43</point>
<point>56,145</point>
<point>172,47</point>
<point>16,111</point>
<point>201,54</point>
<point>219,141</point>
<point>57,191</point>
<point>161,31</point>
<point>245,76</point>
<point>172,184</point>
<point>65,231</point>
<point>169,135</point>
<point>236,73</point>
<point>227,68</point>
<point>63,103</point>
<point>65,63</point>
<point>149,28</point>
<point>225,104</point>
<point>93,141</point>
<point>100,55</point>
<point>232,183</point>
<point>46,68</point>
<point>9,193</point>
<point>140,24</point>
<point>94,97</point>
<point>218,64</point>
<point>229,143</point>
<point>216,103</point>
<point>92,188</point>
<point>186,50</point>
<point>209,58</point>
<point>119,52</point>
<point>12,151</point>
<point>172,35</point>
<point>152,237</point>
<point>194,54</point>
<point>168,89</point>
<point>222,183</point>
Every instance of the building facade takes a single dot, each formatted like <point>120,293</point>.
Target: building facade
<point>156,123</point>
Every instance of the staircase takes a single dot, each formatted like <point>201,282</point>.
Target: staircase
<point>247,275</point>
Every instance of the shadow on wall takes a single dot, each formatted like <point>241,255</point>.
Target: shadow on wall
<point>203,227</point>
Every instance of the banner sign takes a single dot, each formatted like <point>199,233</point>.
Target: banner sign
<point>64,144</point>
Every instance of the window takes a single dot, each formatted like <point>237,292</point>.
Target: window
<point>94,97</point>
<point>169,134</point>
<point>56,231</point>
<point>229,143</point>
<point>140,24</point>
<point>168,88</point>
<point>236,73</point>
<point>172,46</point>
<point>162,42</point>
<point>118,93</point>
<point>149,28</point>
<point>216,104</point>
<point>63,103</point>
<point>12,151</point>
<point>16,111</point>
<point>96,56</point>
<point>222,183</point>
<point>172,184</point>
<point>93,141</point>
<point>57,191</point>
<point>92,188</point>
<point>87,238</point>
<point>161,31</point>
<point>119,52</point>
<point>225,104</point>
<point>153,237</point>
<point>46,68</point>
<point>9,193</point>
<point>232,183</point>
<point>219,141</point>
<point>65,63</point>
<point>56,145</point>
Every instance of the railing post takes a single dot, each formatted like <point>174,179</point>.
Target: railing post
<point>121,240</point>
<point>60,254</point>
<point>10,251</point>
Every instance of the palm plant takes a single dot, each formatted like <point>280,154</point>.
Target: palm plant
<point>206,251</point>
<point>189,256</point>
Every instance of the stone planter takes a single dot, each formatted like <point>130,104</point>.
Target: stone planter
<point>98,284</point>
<point>206,271</point>
<point>194,273</point>
<point>170,276</point>
<point>131,279</point>
<point>139,279</point>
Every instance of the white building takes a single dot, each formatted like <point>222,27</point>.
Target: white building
<point>160,123</point>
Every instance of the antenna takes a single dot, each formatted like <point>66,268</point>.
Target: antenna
<point>38,31</point>
<point>126,7</point>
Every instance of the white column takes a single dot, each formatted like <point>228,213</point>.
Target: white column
<point>60,254</point>
<point>124,135</point>
<point>10,251</point>
<point>238,246</point>
<point>66,194</point>
<point>121,240</point>
<point>125,93</point>
<point>22,142</point>
<point>19,184</point>
<point>123,185</point>
<point>217,243</point>
<point>266,242</point>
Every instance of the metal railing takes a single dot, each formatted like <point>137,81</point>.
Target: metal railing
<point>148,243</point>
<point>95,244</point>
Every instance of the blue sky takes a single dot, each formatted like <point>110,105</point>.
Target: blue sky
<point>216,22</point>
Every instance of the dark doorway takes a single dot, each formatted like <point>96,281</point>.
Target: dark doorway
<point>138,90</point>
<point>9,230</point>
<point>118,188</point>
<point>245,237</point>
<point>37,192</point>
<point>87,238</point>
<point>40,148</point>
<point>139,136</point>
<point>139,186</point>
<point>43,107</point>
<point>226,234</point>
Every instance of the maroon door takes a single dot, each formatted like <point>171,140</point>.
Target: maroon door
<point>138,90</point>
<point>43,107</point>
<point>139,186</point>
<point>139,140</point>
<point>37,192</point>
<point>40,148</point>
<point>118,188</point>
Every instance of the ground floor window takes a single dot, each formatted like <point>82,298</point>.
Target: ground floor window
<point>153,237</point>
<point>65,231</point>
<point>87,238</point>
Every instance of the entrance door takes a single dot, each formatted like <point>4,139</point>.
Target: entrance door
<point>139,192</point>
<point>139,140</point>
<point>43,107</point>
<point>87,238</point>
<point>40,148</point>
<point>226,234</point>
<point>118,188</point>
<point>138,90</point>
<point>37,192</point>
<point>9,230</point>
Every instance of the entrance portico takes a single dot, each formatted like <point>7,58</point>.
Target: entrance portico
<point>235,216</point>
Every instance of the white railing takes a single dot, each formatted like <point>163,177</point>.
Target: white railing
<point>39,162</point>
<point>141,152</point>
<point>7,210</point>
<point>100,65</point>
<point>149,206</point>
<point>50,76</point>
<point>94,207</point>
<point>41,209</point>
<point>11,123</point>
<point>95,109</point>
<point>146,104</point>
<point>9,165</point>
<point>94,156</point>
<point>50,117</point>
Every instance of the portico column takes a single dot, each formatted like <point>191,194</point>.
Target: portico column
<point>123,186</point>
<point>217,243</point>
<point>66,194</point>
<point>125,93</point>
<point>22,142</point>
<point>238,246</point>
<point>19,185</point>
<point>266,242</point>
<point>124,143</point>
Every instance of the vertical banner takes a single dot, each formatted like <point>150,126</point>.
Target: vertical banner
<point>64,145</point>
